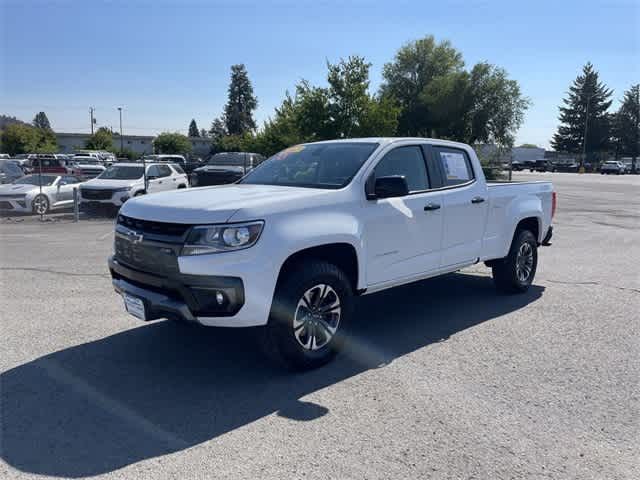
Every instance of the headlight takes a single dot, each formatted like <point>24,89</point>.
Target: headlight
<point>123,189</point>
<point>222,238</point>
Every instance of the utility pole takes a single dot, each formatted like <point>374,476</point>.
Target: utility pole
<point>91,110</point>
<point>584,138</point>
<point>121,139</point>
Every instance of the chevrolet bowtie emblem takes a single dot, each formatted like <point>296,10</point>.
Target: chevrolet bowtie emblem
<point>134,237</point>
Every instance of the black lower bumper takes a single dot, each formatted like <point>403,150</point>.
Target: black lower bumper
<point>547,238</point>
<point>180,295</point>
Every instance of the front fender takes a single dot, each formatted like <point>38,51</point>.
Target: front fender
<point>307,229</point>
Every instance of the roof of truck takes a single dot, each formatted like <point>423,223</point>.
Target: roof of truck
<point>385,140</point>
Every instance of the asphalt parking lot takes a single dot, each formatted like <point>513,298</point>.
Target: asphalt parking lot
<point>444,378</point>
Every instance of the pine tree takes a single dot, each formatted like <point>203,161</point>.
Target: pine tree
<point>41,121</point>
<point>627,125</point>
<point>193,129</point>
<point>585,110</point>
<point>238,112</point>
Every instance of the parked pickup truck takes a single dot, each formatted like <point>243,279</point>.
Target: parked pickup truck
<point>290,246</point>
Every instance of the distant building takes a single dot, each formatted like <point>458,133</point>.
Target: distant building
<point>140,144</point>
<point>70,142</point>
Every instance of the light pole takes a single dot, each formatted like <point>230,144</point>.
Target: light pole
<point>121,139</point>
<point>584,138</point>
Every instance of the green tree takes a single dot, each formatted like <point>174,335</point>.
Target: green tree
<point>218,129</point>
<point>238,112</point>
<point>41,121</point>
<point>585,109</point>
<point>626,127</point>
<point>193,129</point>
<point>497,106</point>
<point>102,139</point>
<point>168,142</point>
<point>21,138</point>
<point>407,77</point>
<point>528,145</point>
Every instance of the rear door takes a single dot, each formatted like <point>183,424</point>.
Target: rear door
<point>155,183</point>
<point>465,200</point>
<point>402,235</point>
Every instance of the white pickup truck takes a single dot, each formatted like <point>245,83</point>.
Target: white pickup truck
<point>290,245</point>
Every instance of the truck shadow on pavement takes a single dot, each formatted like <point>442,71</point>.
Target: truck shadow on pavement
<point>164,387</point>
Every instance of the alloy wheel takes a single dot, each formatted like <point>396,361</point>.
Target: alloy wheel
<point>317,317</point>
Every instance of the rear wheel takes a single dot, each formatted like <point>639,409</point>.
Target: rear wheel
<point>311,308</point>
<point>40,204</point>
<point>515,272</point>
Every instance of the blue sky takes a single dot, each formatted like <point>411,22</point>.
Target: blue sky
<point>168,61</point>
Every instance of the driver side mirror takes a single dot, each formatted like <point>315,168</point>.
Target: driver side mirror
<point>388,187</point>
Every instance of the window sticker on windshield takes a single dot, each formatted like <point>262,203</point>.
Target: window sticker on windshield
<point>455,166</point>
<point>288,151</point>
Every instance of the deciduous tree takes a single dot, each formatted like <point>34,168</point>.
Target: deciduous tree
<point>170,142</point>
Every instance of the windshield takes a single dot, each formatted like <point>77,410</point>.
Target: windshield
<point>35,180</point>
<point>319,165</point>
<point>121,172</point>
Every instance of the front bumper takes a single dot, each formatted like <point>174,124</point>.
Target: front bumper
<point>116,200</point>
<point>177,295</point>
<point>15,205</point>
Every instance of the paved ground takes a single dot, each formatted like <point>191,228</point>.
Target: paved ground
<point>443,378</point>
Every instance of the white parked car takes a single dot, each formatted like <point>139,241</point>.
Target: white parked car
<point>25,195</point>
<point>613,167</point>
<point>122,181</point>
<point>88,166</point>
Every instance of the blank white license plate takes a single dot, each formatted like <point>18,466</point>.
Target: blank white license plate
<point>134,306</point>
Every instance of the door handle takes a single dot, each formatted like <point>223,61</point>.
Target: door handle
<point>431,206</point>
<point>477,200</point>
<point>160,181</point>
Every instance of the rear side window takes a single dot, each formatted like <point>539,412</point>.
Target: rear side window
<point>164,171</point>
<point>407,162</point>
<point>177,168</point>
<point>455,164</point>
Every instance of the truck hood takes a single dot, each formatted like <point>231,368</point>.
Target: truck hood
<point>218,204</point>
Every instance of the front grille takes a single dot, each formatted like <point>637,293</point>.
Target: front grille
<point>91,194</point>
<point>155,228</point>
<point>152,257</point>
<point>91,172</point>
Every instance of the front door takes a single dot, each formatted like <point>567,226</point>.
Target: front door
<point>402,235</point>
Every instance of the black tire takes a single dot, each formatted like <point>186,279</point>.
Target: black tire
<point>40,205</point>
<point>508,272</point>
<point>282,342</point>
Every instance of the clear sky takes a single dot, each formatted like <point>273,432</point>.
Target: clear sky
<point>168,61</point>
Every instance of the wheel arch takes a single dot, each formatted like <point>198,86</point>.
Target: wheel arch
<point>341,254</point>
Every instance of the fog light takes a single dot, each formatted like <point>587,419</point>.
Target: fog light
<point>219,298</point>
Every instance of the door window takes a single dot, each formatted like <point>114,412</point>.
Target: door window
<point>407,162</point>
<point>153,171</point>
<point>455,164</point>
<point>164,171</point>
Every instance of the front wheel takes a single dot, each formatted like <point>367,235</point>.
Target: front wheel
<point>40,205</point>
<point>311,308</point>
<point>515,272</point>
